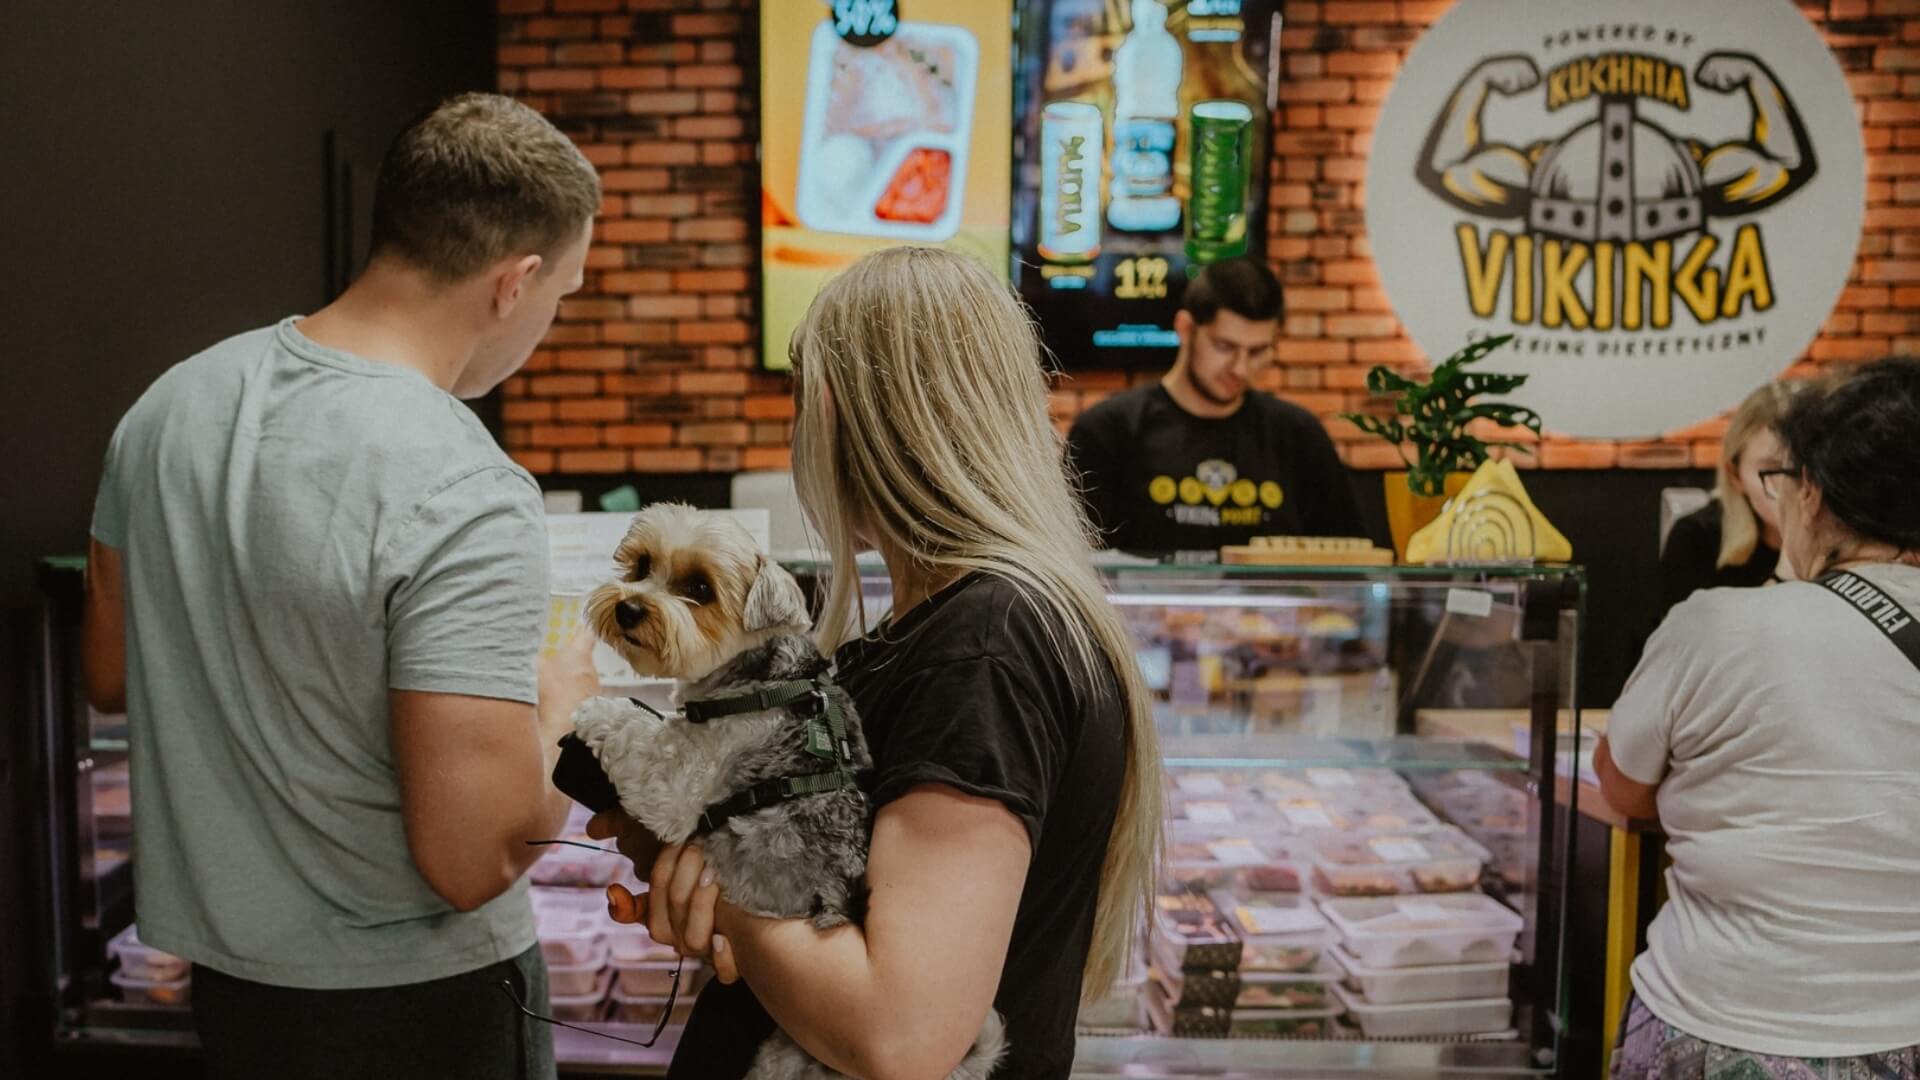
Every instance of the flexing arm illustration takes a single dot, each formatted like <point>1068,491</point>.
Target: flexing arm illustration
<point>1773,161</point>
<point>1460,165</point>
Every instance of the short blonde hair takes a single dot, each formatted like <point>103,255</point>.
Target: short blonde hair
<point>1739,528</point>
<point>477,179</point>
<point>923,419</point>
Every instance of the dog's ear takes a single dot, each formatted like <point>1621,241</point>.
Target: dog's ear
<point>775,599</point>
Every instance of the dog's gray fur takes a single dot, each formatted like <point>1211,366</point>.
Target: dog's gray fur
<point>803,858</point>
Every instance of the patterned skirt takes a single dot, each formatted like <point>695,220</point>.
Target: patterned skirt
<point>1652,1049</point>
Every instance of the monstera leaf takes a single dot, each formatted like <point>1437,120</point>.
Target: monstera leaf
<point>1432,417</point>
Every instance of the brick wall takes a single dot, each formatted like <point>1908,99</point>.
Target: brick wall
<point>651,367</point>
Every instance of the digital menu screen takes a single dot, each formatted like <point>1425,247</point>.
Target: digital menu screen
<point>1140,144</point>
<point>882,123</point>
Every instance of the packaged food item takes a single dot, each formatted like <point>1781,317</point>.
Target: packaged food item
<point>1190,934</point>
<point>1356,811</point>
<point>1478,1017</point>
<point>647,1009</point>
<point>1167,1019</point>
<point>583,1008</point>
<point>569,937</point>
<point>1285,1023</point>
<point>141,961</point>
<point>569,980</point>
<point>167,992</point>
<point>1121,1009</point>
<point>1406,931</point>
<point>1188,989</point>
<point>650,978</point>
<point>628,946</point>
<point>1437,982</point>
<point>1292,990</point>
<point>1241,860</point>
<point>1277,933</point>
<point>1443,859</point>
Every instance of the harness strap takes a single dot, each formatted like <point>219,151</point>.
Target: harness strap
<point>773,792</point>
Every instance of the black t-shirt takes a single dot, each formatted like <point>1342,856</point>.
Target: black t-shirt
<point>967,690</point>
<point>1159,479</point>
<point>1688,561</point>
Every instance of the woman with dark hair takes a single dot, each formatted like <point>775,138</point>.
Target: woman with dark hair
<point>1776,735</point>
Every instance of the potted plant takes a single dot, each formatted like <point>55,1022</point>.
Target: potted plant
<point>1433,417</point>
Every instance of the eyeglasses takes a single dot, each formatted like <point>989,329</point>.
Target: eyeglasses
<point>1767,483</point>
<point>666,1014</point>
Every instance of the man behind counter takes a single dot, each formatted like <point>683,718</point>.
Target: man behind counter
<point>1200,460</point>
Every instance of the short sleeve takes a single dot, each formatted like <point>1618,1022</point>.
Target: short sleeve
<point>1640,729</point>
<point>975,725</point>
<point>109,501</point>
<point>467,591</point>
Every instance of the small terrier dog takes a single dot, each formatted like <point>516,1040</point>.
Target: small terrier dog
<point>760,762</point>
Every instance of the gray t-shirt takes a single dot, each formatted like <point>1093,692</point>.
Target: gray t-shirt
<point>1784,732</point>
<point>303,530</point>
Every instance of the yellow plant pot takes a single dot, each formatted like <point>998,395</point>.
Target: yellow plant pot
<point>1408,513</point>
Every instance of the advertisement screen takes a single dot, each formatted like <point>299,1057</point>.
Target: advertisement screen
<point>1141,144</point>
<point>881,124</point>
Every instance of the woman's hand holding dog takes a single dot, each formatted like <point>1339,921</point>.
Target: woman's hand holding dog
<point>679,874</point>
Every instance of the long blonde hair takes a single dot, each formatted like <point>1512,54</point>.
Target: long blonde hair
<point>1739,527</point>
<point>923,417</point>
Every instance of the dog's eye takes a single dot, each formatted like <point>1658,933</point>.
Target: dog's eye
<point>697,589</point>
<point>642,566</point>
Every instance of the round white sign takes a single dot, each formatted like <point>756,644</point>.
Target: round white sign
<point>1659,199</point>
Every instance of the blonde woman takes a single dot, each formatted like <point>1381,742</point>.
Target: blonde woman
<point>1016,779</point>
<point>1735,539</point>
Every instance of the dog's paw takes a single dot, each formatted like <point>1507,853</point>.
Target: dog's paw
<point>598,720</point>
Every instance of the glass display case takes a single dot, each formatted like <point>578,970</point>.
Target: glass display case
<point>1366,868</point>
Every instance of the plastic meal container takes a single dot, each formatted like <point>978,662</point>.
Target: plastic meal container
<point>1384,864</point>
<point>140,961</point>
<point>629,946</point>
<point>646,1008</point>
<point>651,978</point>
<point>1438,982</point>
<point>1277,933</point>
<point>169,992</point>
<point>1291,991</point>
<point>1300,1023</point>
<point>570,980</point>
<point>1189,933</point>
<point>1429,1018</point>
<point>569,937</point>
<point>583,1008</point>
<point>1168,1020</point>
<point>1262,864</point>
<point>1397,932</point>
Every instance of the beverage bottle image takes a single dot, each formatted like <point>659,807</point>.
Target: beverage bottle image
<point>1146,87</point>
<point>1072,136</point>
<point>1220,134</point>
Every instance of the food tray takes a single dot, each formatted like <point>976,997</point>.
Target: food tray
<point>583,1008</point>
<point>570,980</point>
<point>1438,982</point>
<point>1278,1023</point>
<point>646,1009</point>
<point>1240,861</point>
<point>165,992</point>
<point>1290,991</point>
<point>1325,812</point>
<point>1277,933</point>
<point>1197,989</point>
<point>1121,1009</point>
<point>1280,783</point>
<point>1389,863</point>
<point>1189,933</point>
<point>1479,1017</point>
<point>1396,932</point>
<point>141,961</point>
<point>569,937</point>
<point>652,978</point>
<point>1164,1018</point>
<point>628,946</point>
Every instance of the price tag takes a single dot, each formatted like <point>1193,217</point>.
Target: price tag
<point>1261,919</point>
<point>1237,853</point>
<point>1202,784</point>
<point>1210,813</point>
<point>1326,778</point>
<point>1398,849</point>
<point>1308,817</point>
<point>1426,911</point>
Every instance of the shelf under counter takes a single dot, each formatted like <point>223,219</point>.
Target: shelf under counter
<point>1159,1057</point>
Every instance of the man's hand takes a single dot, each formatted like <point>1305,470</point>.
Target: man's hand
<point>567,678</point>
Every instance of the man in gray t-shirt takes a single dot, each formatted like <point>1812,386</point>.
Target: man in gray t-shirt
<point>318,587</point>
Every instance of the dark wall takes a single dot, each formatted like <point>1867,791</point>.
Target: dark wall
<point>164,190</point>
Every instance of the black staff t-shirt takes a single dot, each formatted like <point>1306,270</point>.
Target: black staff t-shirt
<point>1159,479</point>
<point>969,690</point>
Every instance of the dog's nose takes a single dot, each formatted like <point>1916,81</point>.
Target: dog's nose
<point>629,614</point>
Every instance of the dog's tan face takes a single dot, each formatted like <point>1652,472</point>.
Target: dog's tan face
<point>692,593</point>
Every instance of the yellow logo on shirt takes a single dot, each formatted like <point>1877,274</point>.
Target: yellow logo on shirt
<point>1203,497</point>
<point>1162,490</point>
